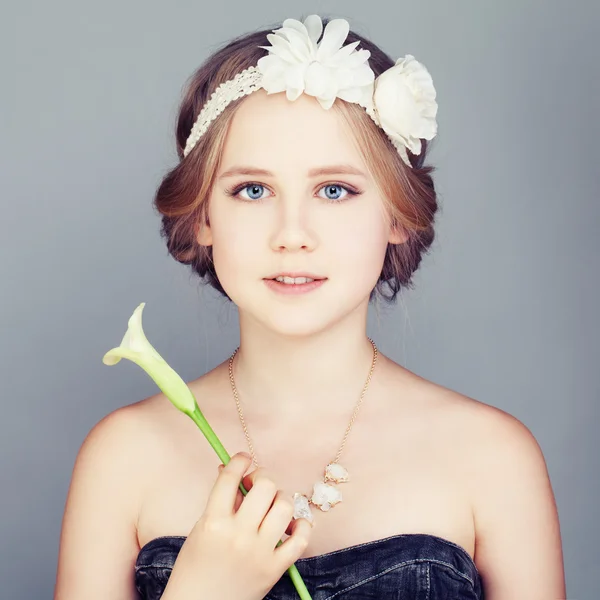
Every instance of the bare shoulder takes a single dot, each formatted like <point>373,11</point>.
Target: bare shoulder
<point>115,452</point>
<point>98,531</point>
<point>119,452</point>
<point>518,547</point>
<point>492,436</point>
<point>157,435</point>
<point>456,413</point>
<point>488,427</point>
<point>495,444</point>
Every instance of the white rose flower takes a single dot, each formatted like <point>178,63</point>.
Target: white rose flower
<point>404,100</point>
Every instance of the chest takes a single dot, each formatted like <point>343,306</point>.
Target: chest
<point>401,480</point>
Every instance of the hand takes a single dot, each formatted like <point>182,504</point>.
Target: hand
<point>231,552</point>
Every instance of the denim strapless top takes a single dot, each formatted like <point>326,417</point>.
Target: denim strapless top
<point>410,566</point>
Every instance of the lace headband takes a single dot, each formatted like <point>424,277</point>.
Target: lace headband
<point>401,100</point>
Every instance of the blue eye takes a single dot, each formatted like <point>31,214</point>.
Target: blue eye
<point>335,189</point>
<point>255,191</point>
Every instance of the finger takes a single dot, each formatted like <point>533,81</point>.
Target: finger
<point>295,545</point>
<point>249,478</point>
<point>258,501</point>
<point>278,520</point>
<point>298,523</point>
<point>223,495</point>
<point>238,496</point>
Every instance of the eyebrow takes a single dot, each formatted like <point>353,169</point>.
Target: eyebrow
<point>329,170</point>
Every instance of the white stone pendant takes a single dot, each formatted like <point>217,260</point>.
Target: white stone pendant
<point>325,496</point>
<point>302,507</point>
<point>335,472</point>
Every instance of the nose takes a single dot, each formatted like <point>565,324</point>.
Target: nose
<point>292,229</point>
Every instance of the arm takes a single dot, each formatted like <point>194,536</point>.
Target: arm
<point>518,544</point>
<point>98,543</point>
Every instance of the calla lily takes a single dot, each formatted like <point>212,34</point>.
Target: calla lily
<point>136,347</point>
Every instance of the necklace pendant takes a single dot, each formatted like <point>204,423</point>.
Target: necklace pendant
<point>325,496</point>
<point>336,473</point>
<point>302,508</point>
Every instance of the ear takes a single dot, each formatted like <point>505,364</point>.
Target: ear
<point>398,235</point>
<point>203,233</point>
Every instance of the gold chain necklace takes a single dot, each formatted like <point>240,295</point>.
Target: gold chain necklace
<point>324,495</point>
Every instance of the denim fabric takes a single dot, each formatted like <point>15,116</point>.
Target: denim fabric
<point>412,566</point>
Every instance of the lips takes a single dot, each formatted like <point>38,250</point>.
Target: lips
<point>294,287</point>
<point>296,274</point>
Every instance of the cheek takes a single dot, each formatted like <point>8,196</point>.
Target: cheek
<point>237,245</point>
<point>361,245</point>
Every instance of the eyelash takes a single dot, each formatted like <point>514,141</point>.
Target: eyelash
<point>233,192</point>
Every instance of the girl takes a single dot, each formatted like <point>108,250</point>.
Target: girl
<point>301,207</point>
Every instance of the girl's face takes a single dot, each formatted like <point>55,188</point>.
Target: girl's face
<point>293,196</point>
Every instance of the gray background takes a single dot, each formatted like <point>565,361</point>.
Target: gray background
<point>505,308</point>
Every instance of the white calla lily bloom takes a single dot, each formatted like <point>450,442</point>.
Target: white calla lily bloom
<point>136,347</point>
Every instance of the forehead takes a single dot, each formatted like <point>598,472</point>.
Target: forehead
<point>270,129</point>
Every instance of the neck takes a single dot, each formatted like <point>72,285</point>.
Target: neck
<point>300,378</point>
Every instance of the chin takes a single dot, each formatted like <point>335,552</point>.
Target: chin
<point>303,321</point>
<point>298,325</point>
<point>303,317</point>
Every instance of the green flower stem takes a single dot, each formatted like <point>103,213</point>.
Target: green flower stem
<point>214,441</point>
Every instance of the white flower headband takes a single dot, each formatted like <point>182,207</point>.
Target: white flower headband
<point>401,100</point>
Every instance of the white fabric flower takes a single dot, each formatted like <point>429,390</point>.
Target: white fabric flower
<point>326,70</point>
<point>404,100</point>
